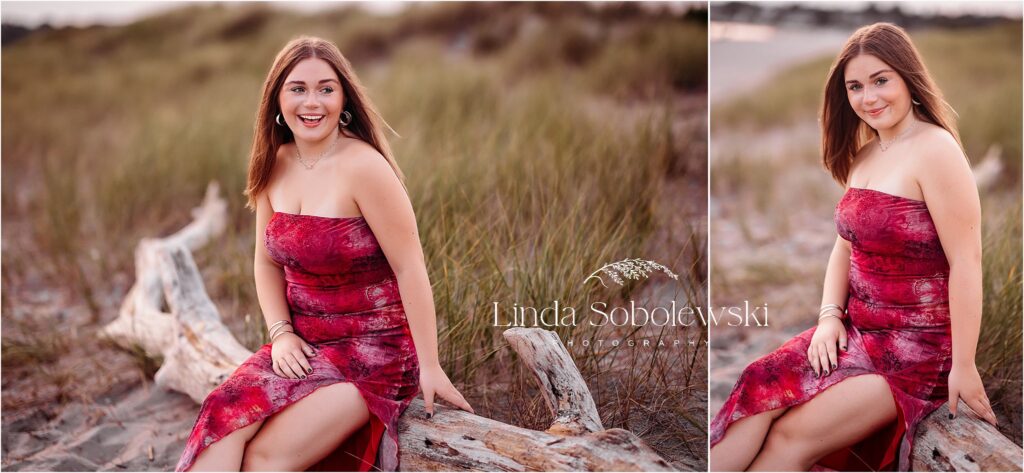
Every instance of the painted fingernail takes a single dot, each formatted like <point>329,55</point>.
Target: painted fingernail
<point>951,417</point>
<point>843,347</point>
<point>826,372</point>
<point>429,415</point>
<point>309,370</point>
<point>833,366</point>
<point>303,376</point>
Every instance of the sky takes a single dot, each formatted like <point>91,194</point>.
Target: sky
<point>1004,8</point>
<point>62,13</point>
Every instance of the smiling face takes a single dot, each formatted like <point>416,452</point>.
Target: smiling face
<point>312,90</point>
<point>877,93</point>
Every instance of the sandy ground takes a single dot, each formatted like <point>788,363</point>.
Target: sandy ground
<point>93,408</point>
<point>132,428</point>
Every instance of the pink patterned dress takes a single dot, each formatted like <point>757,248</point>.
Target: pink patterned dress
<point>898,326</point>
<point>344,302</point>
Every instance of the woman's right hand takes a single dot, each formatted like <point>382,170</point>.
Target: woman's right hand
<point>822,352</point>
<point>288,354</point>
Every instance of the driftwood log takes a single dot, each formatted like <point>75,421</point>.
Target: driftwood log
<point>564,390</point>
<point>966,443</point>
<point>169,315</point>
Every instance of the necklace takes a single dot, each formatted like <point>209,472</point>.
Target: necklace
<point>886,144</point>
<point>298,154</point>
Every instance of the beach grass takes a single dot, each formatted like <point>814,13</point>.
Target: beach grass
<point>1000,343</point>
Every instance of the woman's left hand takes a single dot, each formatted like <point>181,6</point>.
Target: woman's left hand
<point>965,383</point>
<point>434,381</point>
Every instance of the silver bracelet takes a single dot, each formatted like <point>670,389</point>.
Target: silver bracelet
<point>275,324</point>
<point>827,307</point>
<point>278,331</point>
<point>830,314</point>
<point>278,327</point>
<point>279,334</point>
<point>831,310</point>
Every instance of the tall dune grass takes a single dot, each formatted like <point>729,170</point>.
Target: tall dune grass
<point>1000,346</point>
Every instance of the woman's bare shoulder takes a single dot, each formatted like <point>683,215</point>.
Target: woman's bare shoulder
<point>937,150</point>
<point>939,161</point>
<point>361,150</point>
<point>934,138</point>
<point>363,161</point>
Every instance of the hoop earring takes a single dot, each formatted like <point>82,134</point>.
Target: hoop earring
<point>345,119</point>
<point>277,120</point>
<point>914,101</point>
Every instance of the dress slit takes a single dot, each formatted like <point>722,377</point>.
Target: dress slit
<point>358,452</point>
<point>876,452</point>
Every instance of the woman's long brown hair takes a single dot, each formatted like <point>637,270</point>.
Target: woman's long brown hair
<point>366,123</point>
<point>843,132</point>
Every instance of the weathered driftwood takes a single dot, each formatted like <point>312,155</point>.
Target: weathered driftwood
<point>454,440</point>
<point>142,319</point>
<point>205,352</point>
<point>966,443</point>
<point>564,390</point>
<point>170,315</point>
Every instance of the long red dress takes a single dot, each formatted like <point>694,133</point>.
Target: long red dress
<point>898,326</point>
<point>344,301</point>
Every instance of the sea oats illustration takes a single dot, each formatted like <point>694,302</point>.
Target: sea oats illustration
<point>634,268</point>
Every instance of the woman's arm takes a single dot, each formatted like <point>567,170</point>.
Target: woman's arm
<point>951,194</point>
<point>830,333</point>
<point>388,211</point>
<point>268,274</point>
<point>837,276</point>
<point>270,289</point>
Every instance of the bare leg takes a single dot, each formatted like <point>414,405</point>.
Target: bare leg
<point>838,417</point>
<point>308,430</point>
<point>226,453</point>
<point>742,441</point>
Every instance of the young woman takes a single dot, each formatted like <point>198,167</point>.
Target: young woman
<point>901,306</point>
<point>341,281</point>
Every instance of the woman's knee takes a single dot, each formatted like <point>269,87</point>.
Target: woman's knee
<point>227,452</point>
<point>786,435</point>
<point>262,459</point>
<point>247,433</point>
<point>240,436</point>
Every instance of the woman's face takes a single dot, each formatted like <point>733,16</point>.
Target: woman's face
<point>312,90</point>
<point>878,94</point>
